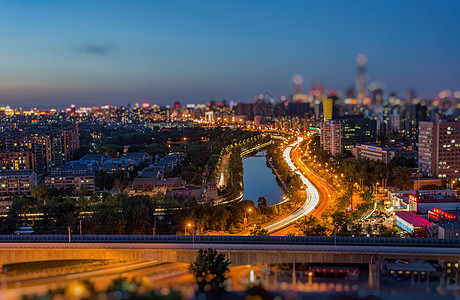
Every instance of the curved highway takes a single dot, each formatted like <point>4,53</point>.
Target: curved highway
<point>311,201</point>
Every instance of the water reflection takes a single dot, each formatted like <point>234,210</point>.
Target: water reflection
<point>259,181</point>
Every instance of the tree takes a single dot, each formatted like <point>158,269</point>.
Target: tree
<point>40,192</point>
<point>138,214</point>
<point>402,178</point>
<point>262,201</point>
<point>258,231</point>
<point>384,231</point>
<point>210,270</point>
<point>309,226</point>
<point>103,180</point>
<point>340,221</point>
<point>80,152</point>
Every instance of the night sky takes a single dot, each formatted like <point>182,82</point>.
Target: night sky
<point>53,53</point>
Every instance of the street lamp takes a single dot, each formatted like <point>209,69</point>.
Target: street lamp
<point>246,216</point>
<point>189,225</point>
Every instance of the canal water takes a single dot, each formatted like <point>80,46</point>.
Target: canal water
<point>259,181</point>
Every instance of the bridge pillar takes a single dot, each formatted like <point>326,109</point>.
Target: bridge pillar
<point>294,278</point>
<point>374,275</point>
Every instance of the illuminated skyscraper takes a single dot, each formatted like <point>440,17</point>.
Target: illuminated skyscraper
<point>361,78</point>
<point>328,106</point>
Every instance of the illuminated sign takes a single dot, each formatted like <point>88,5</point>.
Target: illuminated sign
<point>444,214</point>
<point>370,148</point>
<point>413,198</point>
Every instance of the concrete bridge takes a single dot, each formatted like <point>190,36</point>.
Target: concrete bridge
<point>247,151</point>
<point>240,250</point>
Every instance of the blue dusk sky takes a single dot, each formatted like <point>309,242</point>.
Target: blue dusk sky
<point>53,53</point>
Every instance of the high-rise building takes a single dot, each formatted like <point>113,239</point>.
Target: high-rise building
<point>341,134</point>
<point>329,108</point>
<point>361,77</point>
<point>50,149</point>
<point>331,137</point>
<point>410,119</point>
<point>16,161</point>
<point>439,149</point>
<point>357,130</point>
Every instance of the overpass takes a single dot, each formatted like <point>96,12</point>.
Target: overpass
<point>247,151</point>
<point>241,250</point>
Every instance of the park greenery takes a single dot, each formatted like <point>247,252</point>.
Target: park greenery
<point>122,214</point>
<point>202,149</point>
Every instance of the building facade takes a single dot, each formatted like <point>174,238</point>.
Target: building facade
<point>74,179</point>
<point>331,137</point>
<point>439,149</point>
<point>356,130</point>
<point>50,148</point>
<point>380,153</point>
<point>16,183</point>
<point>16,161</point>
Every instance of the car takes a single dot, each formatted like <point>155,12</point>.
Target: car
<point>24,230</point>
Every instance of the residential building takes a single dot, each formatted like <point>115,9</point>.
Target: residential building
<point>439,149</point>
<point>16,182</point>
<point>75,176</point>
<point>383,153</point>
<point>154,185</point>
<point>17,161</point>
<point>51,148</point>
<point>331,137</point>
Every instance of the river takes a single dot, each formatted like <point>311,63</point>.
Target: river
<point>259,181</point>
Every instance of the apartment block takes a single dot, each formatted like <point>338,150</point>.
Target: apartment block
<point>439,149</point>
<point>331,137</point>
<point>16,182</point>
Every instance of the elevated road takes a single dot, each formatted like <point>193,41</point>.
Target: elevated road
<point>241,250</point>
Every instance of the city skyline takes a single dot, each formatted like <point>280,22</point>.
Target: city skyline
<point>118,53</point>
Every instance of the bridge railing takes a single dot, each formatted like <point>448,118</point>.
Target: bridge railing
<point>206,239</point>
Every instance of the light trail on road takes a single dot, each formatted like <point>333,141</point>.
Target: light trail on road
<point>311,201</point>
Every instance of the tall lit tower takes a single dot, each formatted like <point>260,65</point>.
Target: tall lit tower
<point>361,77</point>
<point>297,79</point>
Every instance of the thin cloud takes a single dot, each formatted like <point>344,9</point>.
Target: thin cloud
<point>95,49</point>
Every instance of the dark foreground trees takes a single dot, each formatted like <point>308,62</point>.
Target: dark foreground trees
<point>210,270</point>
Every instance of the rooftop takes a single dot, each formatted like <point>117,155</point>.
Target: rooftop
<point>16,172</point>
<point>412,218</point>
<point>450,225</point>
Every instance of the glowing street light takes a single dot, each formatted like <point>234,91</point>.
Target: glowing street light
<point>245,221</point>
<point>188,225</point>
